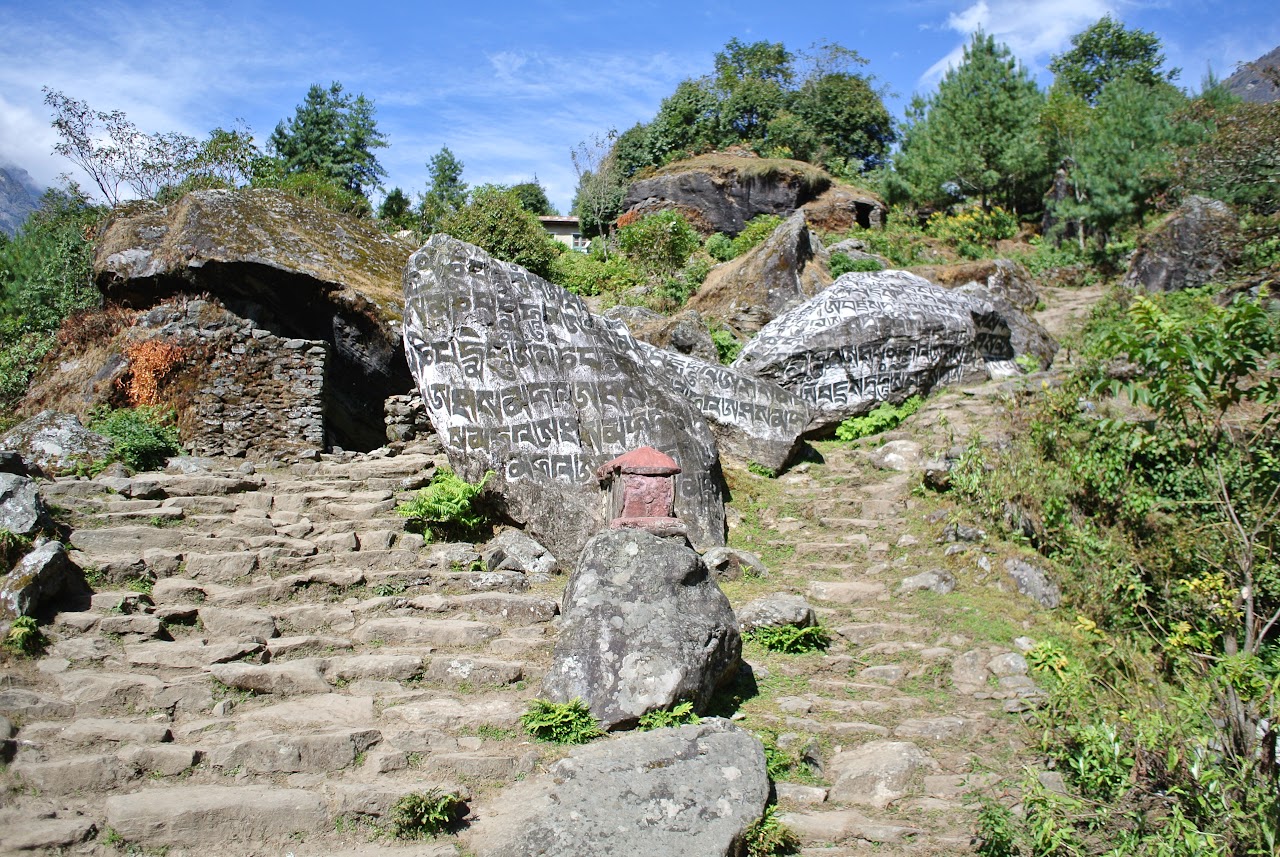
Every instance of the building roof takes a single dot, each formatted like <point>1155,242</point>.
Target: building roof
<point>645,461</point>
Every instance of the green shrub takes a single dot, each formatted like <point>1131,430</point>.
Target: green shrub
<point>974,232</point>
<point>13,547</point>
<point>495,221</point>
<point>560,722</point>
<point>681,715</point>
<point>586,275</point>
<point>883,418</point>
<point>421,815</point>
<point>447,506</point>
<point>719,247</point>
<point>755,232</point>
<point>312,186</point>
<point>842,263</point>
<point>769,837</point>
<point>727,345</point>
<point>659,243</point>
<point>790,639</point>
<point>144,436</point>
<point>25,637</point>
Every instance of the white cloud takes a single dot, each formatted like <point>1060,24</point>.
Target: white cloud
<point>1033,29</point>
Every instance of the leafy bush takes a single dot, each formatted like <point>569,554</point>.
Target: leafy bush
<point>719,247</point>
<point>144,436</point>
<point>421,815</point>
<point>769,837</point>
<point>312,186</point>
<point>974,232</point>
<point>586,274</point>
<point>495,221</point>
<point>659,243</point>
<point>13,547</point>
<point>841,263</point>
<point>790,639</point>
<point>727,345</point>
<point>883,418</point>
<point>681,715</point>
<point>901,241</point>
<point>560,722</point>
<point>447,507</point>
<point>25,637</point>
<point>755,232</point>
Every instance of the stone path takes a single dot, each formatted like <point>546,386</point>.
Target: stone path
<point>300,662</point>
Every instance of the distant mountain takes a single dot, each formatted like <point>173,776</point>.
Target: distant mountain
<point>19,196</point>
<point>1250,84</point>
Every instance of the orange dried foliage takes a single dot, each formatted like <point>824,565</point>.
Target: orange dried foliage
<point>627,219</point>
<point>150,363</point>
<point>92,326</point>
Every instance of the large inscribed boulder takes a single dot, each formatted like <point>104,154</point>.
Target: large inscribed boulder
<point>875,337</point>
<point>520,379</point>
<point>644,627</point>
<point>685,792</point>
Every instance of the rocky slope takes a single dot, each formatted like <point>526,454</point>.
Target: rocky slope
<point>19,196</point>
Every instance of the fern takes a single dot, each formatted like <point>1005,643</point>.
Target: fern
<point>790,639</point>
<point>681,715</point>
<point>883,418</point>
<point>560,722</point>
<point>447,506</point>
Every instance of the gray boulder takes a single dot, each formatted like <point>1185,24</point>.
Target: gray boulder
<point>748,292</point>
<point>56,443</point>
<point>683,333</point>
<point>643,627</point>
<point>1033,583</point>
<point>22,512</point>
<point>685,792</point>
<point>44,576</point>
<point>1189,248</point>
<point>875,337</point>
<point>732,564</point>
<point>753,419</point>
<point>520,379</point>
<point>513,550</point>
<point>1026,335</point>
<point>777,611</point>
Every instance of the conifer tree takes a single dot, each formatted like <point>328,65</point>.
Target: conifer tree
<point>976,137</point>
<point>446,191</point>
<point>332,135</point>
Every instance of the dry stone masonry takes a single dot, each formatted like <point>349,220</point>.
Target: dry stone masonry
<point>519,378</point>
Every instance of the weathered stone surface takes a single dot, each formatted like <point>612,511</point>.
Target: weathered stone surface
<point>900,455</point>
<point>476,671</point>
<point>237,622</point>
<point>690,791</point>
<point>752,290</point>
<point>643,627</point>
<point>377,667</point>
<point>43,578</point>
<point>684,333</point>
<point>318,274</point>
<point>753,419</point>
<point>179,816</point>
<point>877,773</point>
<point>1002,277</point>
<point>1033,583</point>
<point>936,580</point>
<point>46,835</point>
<point>22,512</point>
<point>514,550</point>
<point>90,731</point>
<point>69,775</point>
<point>874,337</point>
<point>431,632</point>
<point>290,677</point>
<point>845,591</point>
<point>25,705</point>
<point>324,710</point>
<point>1026,335</point>
<point>56,442</point>
<point>840,208</point>
<point>288,754</point>
<point>843,825</point>
<point>1191,246</point>
<point>518,609</point>
<point>776,611</point>
<point>731,564</point>
<point>519,378</point>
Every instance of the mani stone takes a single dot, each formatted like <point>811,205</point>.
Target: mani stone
<point>876,337</point>
<point>520,379</point>
<point>686,792</point>
<point>643,627</point>
<point>753,419</point>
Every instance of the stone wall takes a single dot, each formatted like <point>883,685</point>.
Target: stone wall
<point>241,390</point>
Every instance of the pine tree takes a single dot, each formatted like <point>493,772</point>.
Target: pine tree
<point>1105,52</point>
<point>446,191</point>
<point>976,137</point>
<point>332,135</point>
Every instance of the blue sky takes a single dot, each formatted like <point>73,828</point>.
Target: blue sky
<point>511,87</point>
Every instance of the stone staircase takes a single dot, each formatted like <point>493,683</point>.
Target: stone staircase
<point>270,661</point>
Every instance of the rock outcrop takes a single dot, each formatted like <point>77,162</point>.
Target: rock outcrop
<point>644,627</point>
<point>1003,277</point>
<point>720,192</point>
<point>1187,249</point>
<point>684,333</point>
<point>520,379</point>
<point>691,791</point>
<point>55,443</point>
<point>875,337</point>
<point>298,270</point>
<point>748,292</point>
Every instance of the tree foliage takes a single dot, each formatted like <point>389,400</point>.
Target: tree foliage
<point>333,135</point>
<point>977,136</point>
<point>446,191</point>
<point>601,185</point>
<point>494,221</point>
<point>533,198</point>
<point>396,210</point>
<point>1106,52</point>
